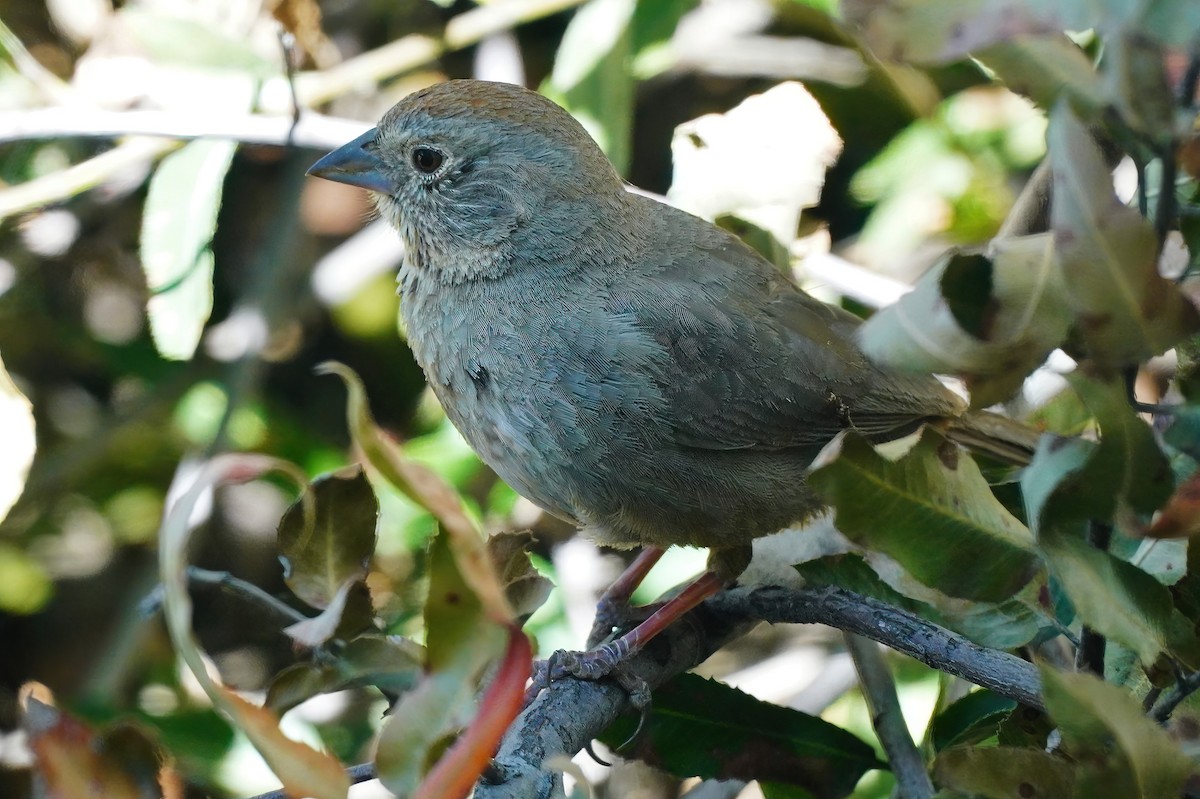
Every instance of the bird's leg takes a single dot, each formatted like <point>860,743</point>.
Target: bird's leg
<point>723,566</point>
<point>613,606</point>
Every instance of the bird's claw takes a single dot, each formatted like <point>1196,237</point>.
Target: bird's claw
<point>594,664</point>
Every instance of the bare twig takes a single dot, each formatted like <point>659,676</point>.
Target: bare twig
<point>879,689</point>
<point>312,130</point>
<point>246,591</point>
<point>360,773</point>
<point>1166,704</point>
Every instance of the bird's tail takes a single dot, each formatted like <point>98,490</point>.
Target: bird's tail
<point>995,436</point>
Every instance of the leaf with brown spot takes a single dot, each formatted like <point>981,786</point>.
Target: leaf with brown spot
<point>1108,253</point>
<point>945,527</point>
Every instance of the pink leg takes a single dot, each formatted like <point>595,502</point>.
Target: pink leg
<point>613,607</point>
<point>599,662</point>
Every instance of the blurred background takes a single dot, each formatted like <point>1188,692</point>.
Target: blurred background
<point>135,370</point>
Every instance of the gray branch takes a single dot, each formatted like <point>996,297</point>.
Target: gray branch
<point>879,689</point>
<point>570,713</point>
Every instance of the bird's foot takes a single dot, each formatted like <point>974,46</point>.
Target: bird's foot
<point>606,661</point>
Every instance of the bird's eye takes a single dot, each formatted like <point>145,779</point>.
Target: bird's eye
<point>426,159</point>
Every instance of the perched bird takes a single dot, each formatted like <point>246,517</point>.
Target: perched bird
<point>626,366</point>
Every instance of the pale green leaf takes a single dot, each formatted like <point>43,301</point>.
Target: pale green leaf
<point>460,643</point>
<point>1124,310</point>
<point>1119,600</point>
<point>1004,772</point>
<point>1094,716</point>
<point>932,511</point>
<point>178,222</point>
<point>784,127</point>
<point>989,319</point>
<point>592,75</point>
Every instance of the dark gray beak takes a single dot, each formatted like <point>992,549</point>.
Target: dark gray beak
<point>355,165</point>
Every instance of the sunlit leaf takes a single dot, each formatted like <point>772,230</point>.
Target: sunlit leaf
<point>1004,772</point>
<point>1046,68</point>
<point>174,39</point>
<point>461,641</point>
<point>592,77</point>
<point>1097,718</point>
<point>176,243</point>
<point>703,728</point>
<point>327,537</point>
<point>1124,310</point>
<point>932,511</point>
<point>20,442</point>
<point>990,319</point>
<point>429,491</point>
<point>783,127</point>
<point>303,770</point>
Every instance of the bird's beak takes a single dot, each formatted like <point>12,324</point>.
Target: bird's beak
<point>354,164</point>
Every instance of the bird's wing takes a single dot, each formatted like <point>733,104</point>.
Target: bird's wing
<point>750,361</point>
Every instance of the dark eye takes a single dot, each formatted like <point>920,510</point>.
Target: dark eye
<point>426,159</point>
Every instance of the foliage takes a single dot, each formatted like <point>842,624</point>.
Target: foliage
<point>160,333</point>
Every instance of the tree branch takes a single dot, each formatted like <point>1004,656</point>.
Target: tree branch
<point>572,712</point>
<point>879,689</point>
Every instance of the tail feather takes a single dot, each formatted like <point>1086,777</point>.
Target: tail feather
<point>996,436</point>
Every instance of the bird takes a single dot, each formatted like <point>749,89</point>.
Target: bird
<point>628,367</point>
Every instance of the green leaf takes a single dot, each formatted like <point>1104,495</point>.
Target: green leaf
<point>1097,719</point>
<point>1139,87</point>
<point>321,552</point>
<point>1004,772</point>
<point>1124,310</point>
<point>1119,600</point>
<point>176,243</point>
<point>390,663</point>
<point>24,585</point>
<point>932,511</point>
<point>460,643</point>
<point>1071,479</point>
<point>172,39</point>
<point>973,718</point>
<point>592,77</point>
<point>991,319</point>
<point>1046,69</point>
<point>654,23</point>
<point>702,728</point>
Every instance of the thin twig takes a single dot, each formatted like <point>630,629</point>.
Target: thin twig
<point>363,772</point>
<point>313,130</point>
<point>1166,704</point>
<point>249,592</point>
<point>879,689</point>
